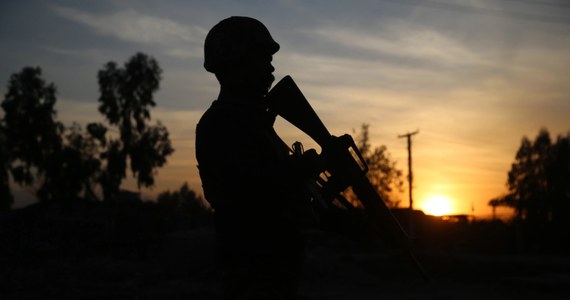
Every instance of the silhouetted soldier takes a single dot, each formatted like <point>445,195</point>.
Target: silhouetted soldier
<point>247,173</point>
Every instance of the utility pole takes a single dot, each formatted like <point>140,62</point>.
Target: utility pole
<point>408,136</point>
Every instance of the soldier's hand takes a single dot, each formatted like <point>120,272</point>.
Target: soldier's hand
<point>312,163</point>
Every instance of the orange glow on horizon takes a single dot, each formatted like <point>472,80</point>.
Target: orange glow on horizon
<point>437,205</point>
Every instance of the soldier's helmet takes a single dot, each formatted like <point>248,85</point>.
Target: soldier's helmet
<point>233,38</point>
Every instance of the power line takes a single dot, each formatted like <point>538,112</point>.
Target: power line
<point>408,136</point>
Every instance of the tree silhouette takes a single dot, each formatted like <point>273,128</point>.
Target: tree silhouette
<point>6,198</point>
<point>539,187</point>
<point>559,179</point>
<point>182,209</point>
<point>77,164</point>
<point>68,163</point>
<point>494,203</point>
<point>32,135</point>
<point>37,149</point>
<point>184,200</point>
<point>382,173</point>
<point>528,178</point>
<point>125,101</point>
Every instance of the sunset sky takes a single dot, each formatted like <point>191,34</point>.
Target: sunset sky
<point>473,76</point>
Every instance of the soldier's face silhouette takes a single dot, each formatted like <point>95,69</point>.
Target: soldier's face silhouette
<point>252,75</point>
<point>258,71</point>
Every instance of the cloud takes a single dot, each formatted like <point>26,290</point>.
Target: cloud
<point>392,56</point>
<point>133,26</point>
<point>185,53</point>
<point>404,42</point>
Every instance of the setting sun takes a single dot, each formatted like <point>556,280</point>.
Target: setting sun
<point>437,205</point>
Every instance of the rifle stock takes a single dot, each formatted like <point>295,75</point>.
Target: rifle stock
<point>343,162</point>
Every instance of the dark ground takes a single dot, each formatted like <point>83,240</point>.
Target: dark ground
<point>182,266</point>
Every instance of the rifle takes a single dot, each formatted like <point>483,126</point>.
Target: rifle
<point>343,163</point>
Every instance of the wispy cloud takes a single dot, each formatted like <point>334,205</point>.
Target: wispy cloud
<point>133,26</point>
<point>403,41</point>
<point>185,53</point>
<point>392,56</point>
